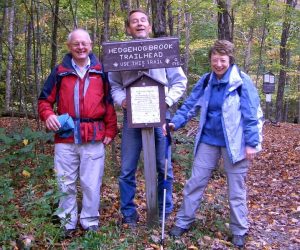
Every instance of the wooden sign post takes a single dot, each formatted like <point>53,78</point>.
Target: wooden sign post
<point>146,109</point>
<point>145,97</point>
<point>268,89</point>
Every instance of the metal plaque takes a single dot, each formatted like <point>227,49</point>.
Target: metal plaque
<point>141,54</point>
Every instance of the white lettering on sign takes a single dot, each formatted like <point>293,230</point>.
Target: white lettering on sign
<point>145,104</point>
<point>141,56</point>
<point>144,48</point>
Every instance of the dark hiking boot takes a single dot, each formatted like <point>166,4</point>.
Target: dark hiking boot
<point>68,233</point>
<point>177,231</point>
<point>239,240</point>
<point>93,228</point>
<point>131,221</point>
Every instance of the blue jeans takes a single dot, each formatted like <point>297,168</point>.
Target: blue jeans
<point>130,153</point>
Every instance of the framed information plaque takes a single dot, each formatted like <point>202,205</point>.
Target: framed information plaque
<point>146,105</point>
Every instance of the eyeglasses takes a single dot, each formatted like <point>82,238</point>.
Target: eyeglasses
<point>83,44</point>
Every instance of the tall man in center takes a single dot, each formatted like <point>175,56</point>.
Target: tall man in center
<point>138,26</point>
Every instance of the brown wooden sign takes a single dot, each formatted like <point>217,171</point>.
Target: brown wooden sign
<point>141,54</point>
<point>146,106</point>
<point>268,88</point>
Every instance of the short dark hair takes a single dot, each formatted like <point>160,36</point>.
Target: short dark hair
<point>223,47</point>
<point>127,21</point>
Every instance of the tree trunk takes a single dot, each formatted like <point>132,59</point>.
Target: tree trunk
<point>97,38</point>
<point>125,6</point>
<point>187,22</point>
<point>287,89</point>
<point>55,12</point>
<point>283,60</point>
<point>262,42</point>
<point>249,43</point>
<point>106,11</point>
<point>225,20</point>
<point>10,41</point>
<point>73,10</point>
<point>247,60</point>
<point>179,22</point>
<point>159,18</point>
<point>1,34</point>
<point>170,18</point>
<point>36,53</point>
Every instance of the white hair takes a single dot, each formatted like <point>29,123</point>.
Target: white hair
<point>75,30</point>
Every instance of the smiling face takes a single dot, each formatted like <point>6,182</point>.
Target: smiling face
<point>80,45</point>
<point>219,64</point>
<point>138,25</point>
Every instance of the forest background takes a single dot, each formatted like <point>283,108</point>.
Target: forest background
<point>33,40</point>
<point>265,32</point>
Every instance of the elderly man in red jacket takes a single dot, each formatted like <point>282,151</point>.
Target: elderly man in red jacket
<point>79,89</point>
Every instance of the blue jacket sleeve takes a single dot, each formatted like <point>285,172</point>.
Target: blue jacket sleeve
<point>191,105</point>
<point>251,112</point>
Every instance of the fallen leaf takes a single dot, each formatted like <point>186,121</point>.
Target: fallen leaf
<point>25,142</point>
<point>26,174</point>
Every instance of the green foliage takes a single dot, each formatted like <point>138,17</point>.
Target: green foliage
<point>18,147</point>
<point>35,190</point>
<point>8,211</point>
<point>184,152</point>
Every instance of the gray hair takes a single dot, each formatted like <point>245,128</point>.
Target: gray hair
<point>69,38</point>
<point>223,47</point>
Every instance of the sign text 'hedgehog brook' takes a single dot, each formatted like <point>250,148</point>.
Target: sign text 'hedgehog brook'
<point>141,54</point>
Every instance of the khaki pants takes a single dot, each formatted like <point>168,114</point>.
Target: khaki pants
<point>86,162</point>
<point>206,160</point>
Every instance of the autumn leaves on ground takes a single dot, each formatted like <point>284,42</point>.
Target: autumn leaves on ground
<point>273,200</point>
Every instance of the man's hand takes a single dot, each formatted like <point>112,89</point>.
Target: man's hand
<point>124,104</point>
<point>250,153</point>
<point>107,140</point>
<point>164,128</point>
<point>52,123</point>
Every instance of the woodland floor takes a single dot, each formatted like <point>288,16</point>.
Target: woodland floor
<point>273,195</point>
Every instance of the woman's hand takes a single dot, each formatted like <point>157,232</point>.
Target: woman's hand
<point>250,153</point>
<point>171,126</point>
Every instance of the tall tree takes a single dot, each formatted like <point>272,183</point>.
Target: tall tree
<point>73,10</point>
<point>10,41</point>
<point>170,18</point>
<point>159,17</point>
<point>179,20</point>
<point>290,5</point>
<point>264,32</point>
<point>55,12</point>
<point>225,20</point>
<point>37,43</point>
<point>125,6</point>
<point>97,38</point>
<point>187,23</point>
<point>249,38</point>
<point>3,7</point>
<point>106,10</point>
